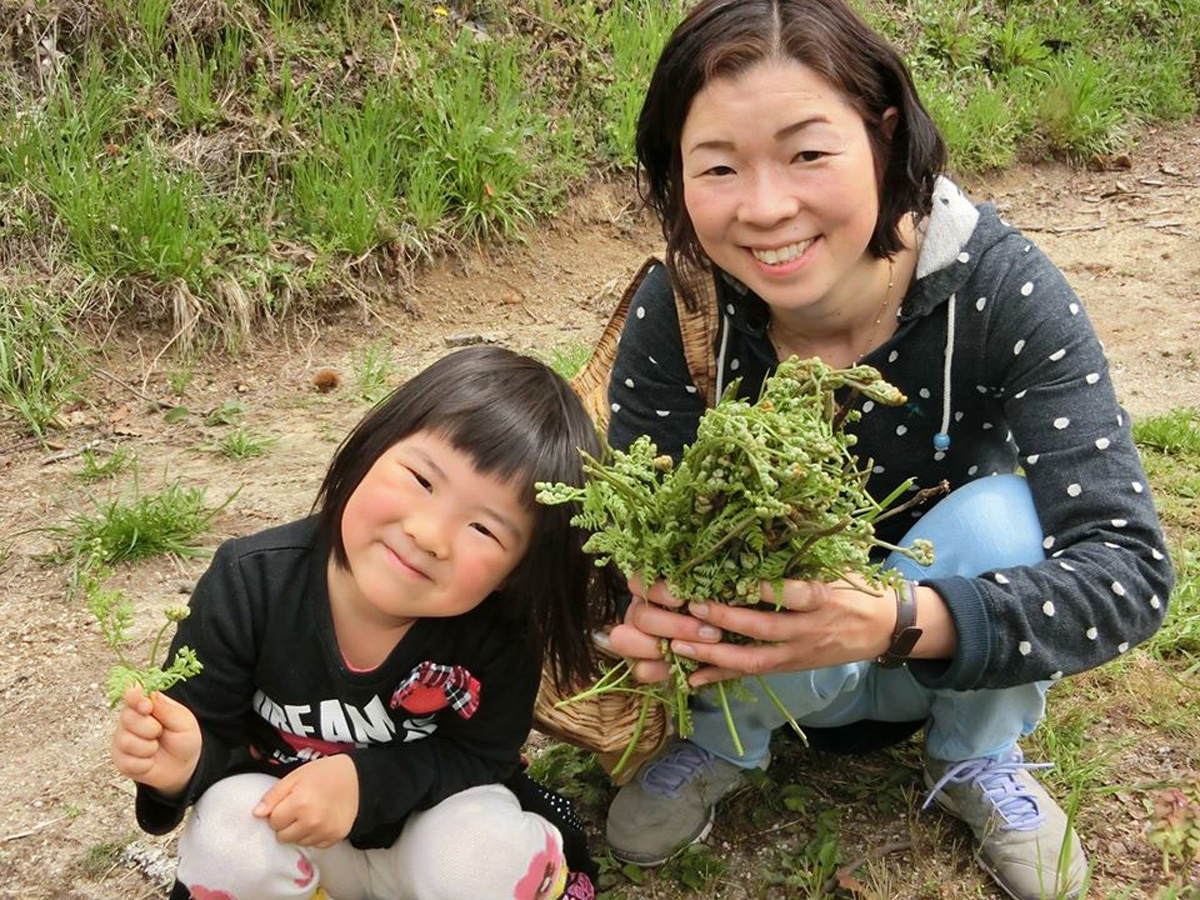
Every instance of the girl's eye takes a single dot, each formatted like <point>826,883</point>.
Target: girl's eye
<point>808,155</point>
<point>485,531</point>
<point>421,479</point>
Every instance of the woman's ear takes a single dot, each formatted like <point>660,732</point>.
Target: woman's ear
<point>888,122</point>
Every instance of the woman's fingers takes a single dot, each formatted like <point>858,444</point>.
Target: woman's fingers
<point>762,625</point>
<point>655,593</point>
<point>736,659</point>
<point>656,621</point>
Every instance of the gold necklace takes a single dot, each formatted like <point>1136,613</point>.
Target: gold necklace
<point>887,298</point>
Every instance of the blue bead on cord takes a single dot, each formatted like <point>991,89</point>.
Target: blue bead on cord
<point>941,441</point>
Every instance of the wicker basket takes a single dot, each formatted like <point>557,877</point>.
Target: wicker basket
<point>603,724</point>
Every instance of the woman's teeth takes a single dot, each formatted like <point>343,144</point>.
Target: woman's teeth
<point>780,254</point>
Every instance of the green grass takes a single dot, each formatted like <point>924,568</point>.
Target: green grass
<point>375,371</point>
<point>1176,433</point>
<point>118,529</point>
<point>100,468</point>
<point>231,412</point>
<point>568,359</point>
<point>234,164</point>
<point>40,359</point>
<point>240,444</point>
<point>1179,637</point>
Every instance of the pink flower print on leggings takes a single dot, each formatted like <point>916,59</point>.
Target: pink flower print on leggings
<point>199,892</point>
<point>547,874</point>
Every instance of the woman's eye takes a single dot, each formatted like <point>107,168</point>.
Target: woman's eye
<point>809,155</point>
<point>719,170</point>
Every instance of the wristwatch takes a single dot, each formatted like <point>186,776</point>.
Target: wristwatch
<point>906,633</point>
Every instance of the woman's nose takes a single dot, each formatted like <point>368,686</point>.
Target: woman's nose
<point>768,199</point>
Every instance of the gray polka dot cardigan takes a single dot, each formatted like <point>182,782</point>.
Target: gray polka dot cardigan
<point>1002,370</point>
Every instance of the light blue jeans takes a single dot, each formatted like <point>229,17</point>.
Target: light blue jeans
<point>989,523</point>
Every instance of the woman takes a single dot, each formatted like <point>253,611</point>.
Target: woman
<point>797,178</point>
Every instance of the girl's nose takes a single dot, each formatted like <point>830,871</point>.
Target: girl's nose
<point>430,533</point>
<point>767,199</point>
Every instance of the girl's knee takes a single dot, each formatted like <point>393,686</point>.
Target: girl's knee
<point>225,847</point>
<point>480,843</point>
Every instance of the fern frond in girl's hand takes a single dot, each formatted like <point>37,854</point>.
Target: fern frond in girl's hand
<point>114,612</point>
<point>768,491</point>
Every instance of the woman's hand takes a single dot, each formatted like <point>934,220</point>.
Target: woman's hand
<point>818,625</point>
<point>648,620</point>
<point>156,742</point>
<point>314,805</point>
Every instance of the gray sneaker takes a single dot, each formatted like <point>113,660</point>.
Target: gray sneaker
<point>1020,828</point>
<point>669,804</point>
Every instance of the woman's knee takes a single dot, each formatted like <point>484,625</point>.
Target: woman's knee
<point>480,843</point>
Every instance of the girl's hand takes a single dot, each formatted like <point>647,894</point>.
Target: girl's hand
<point>647,622</point>
<point>314,805</point>
<point>818,625</point>
<point>156,742</point>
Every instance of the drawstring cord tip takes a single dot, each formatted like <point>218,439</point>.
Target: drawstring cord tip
<point>941,441</point>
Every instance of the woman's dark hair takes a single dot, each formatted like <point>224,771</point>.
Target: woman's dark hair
<point>727,37</point>
<point>518,421</point>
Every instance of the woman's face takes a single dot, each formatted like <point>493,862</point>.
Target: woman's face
<point>779,182</point>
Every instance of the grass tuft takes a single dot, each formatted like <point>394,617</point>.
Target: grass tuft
<point>169,521</point>
<point>100,468</point>
<point>40,362</point>
<point>241,444</point>
<point>1176,433</point>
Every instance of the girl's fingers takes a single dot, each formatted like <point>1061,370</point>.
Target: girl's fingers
<point>134,722</point>
<point>173,715</point>
<point>136,700</point>
<point>633,643</point>
<point>128,744</point>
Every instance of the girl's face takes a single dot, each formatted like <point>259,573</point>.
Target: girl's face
<point>426,534</point>
<point>779,182</point>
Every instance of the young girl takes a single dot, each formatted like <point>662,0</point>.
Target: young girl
<point>370,671</point>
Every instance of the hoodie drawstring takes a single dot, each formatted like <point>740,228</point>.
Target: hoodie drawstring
<point>941,440</point>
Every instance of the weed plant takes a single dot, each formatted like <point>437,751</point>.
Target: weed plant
<point>101,468</point>
<point>231,412</point>
<point>169,521</point>
<point>374,371</point>
<point>240,445</point>
<point>1176,433</point>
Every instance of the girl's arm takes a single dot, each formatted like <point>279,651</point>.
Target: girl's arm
<point>221,630</point>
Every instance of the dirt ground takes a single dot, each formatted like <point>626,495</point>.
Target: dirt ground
<point>1127,237</point>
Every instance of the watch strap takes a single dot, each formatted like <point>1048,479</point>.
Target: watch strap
<point>906,633</point>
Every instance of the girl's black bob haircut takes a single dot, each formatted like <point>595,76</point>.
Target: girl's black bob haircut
<point>521,422</point>
<point>725,38</point>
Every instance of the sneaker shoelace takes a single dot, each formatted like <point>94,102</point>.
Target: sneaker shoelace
<point>996,779</point>
<point>676,767</point>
